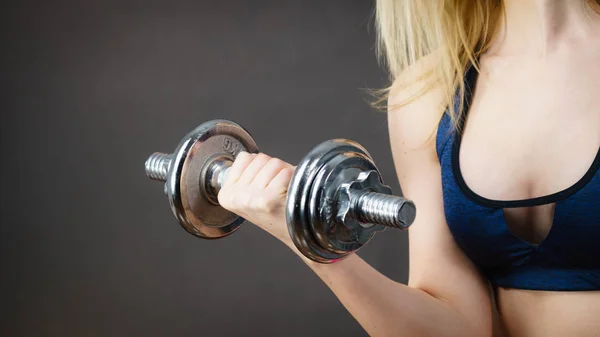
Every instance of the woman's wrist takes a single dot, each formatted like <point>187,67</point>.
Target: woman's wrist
<point>286,239</point>
<point>281,232</point>
<point>315,266</point>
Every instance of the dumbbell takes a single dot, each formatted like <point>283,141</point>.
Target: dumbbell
<point>336,200</point>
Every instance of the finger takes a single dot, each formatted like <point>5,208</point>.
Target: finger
<point>258,162</point>
<point>268,172</point>
<point>242,160</point>
<point>282,180</point>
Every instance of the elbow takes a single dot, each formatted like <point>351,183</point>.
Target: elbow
<point>462,321</point>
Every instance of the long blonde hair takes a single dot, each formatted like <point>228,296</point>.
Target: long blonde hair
<point>457,31</point>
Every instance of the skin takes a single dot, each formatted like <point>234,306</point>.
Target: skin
<point>548,63</point>
<point>547,46</point>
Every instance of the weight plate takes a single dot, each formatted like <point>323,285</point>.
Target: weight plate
<point>333,227</point>
<point>189,201</point>
<point>298,213</point>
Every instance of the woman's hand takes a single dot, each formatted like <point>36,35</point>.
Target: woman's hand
<point>255,189</point>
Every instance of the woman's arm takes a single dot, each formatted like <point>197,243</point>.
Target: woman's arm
<point>445,296</point>
<point>384,307</point>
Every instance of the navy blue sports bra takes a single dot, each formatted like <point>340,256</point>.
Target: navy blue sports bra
<point>568,259</point>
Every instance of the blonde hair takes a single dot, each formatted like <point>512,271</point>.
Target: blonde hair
<point>456,31</point>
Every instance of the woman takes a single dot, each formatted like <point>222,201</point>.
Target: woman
<point>494,121</point>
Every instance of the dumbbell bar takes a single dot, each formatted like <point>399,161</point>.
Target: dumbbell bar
<point>336,201</point>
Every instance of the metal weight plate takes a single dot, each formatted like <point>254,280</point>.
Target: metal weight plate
<point>191,205</point>
<point>300,218</point>
<point>333,225</point>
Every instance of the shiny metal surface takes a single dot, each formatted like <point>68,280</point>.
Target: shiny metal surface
<point>334,226</point>
<point>157,166</point>
<point>372,202</point>
<point>215,176</point>
<point>195,173</point>
<point>337,202</point>
<point>389,211</point>
<point>298,199</point>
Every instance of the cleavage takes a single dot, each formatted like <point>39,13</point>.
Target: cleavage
<point>518,151</point>
<point>524,173</point>
<point>531,224</point>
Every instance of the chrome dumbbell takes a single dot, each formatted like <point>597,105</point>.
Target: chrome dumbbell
<point>336,200</point>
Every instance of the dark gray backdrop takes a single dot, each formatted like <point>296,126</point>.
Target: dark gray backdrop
<point>88,244</point>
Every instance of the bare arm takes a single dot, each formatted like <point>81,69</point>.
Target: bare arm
<point>445,295</point>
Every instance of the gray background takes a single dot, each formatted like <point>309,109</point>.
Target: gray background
<point>88,244</point>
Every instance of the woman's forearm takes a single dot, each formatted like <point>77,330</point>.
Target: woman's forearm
<point>384,307</point>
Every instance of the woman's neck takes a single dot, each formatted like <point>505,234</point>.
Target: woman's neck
<point>541,27</point>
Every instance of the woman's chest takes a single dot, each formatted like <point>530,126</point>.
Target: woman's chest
<point>532,136</point>
<point>522,180</point>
